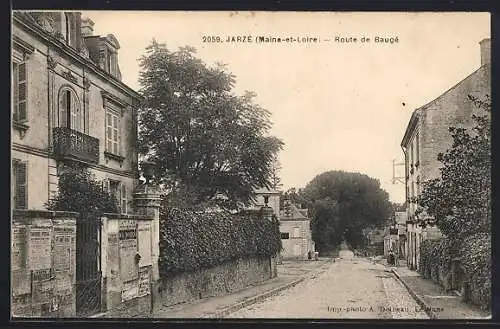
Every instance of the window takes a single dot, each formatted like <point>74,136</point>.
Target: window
<point>123,198</point>
<point>417,151</point>
<point>19,91</point>
<point>70,113</point>
<point>112,133</point>
<point>285,236</point>
<point>19,184</point>
<point>296,232</point>
<point>119,191</point>
<point>411,155</point>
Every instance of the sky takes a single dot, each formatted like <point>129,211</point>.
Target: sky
<point>336,105</point>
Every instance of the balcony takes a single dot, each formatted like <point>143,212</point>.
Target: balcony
<point>73,145</point>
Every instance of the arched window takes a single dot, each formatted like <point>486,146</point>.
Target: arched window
<point>70,113</point>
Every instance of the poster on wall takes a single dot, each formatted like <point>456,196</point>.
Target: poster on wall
<point>144,240</point>
<point>18,250</point>
<point>64,247</point>
<point>42,285</point>
<point>39,240</point>
<point>130,290</point>
<point>144,282</point>
<point>127,237</point>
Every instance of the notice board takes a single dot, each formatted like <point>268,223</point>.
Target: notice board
<point>127,237</point>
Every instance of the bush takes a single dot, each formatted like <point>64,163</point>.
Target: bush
<point>193,240</point>
<point>475,257</point>
<point>79,191</point>
<point>435,255</point>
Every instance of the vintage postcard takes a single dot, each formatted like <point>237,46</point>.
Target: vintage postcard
<point>177,164</point>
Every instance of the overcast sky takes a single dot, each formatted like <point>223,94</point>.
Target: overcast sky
<point>337,106</point>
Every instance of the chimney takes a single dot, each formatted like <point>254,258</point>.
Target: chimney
<point>485,45</point>
<point>87,27</point>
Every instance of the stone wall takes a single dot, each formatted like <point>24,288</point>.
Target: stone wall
<point>43,264</point>
<point>127,249</point>
<point>217,281</point>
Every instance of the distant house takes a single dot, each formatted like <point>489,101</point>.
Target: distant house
<point>427,135</point>
<point>295,230</point>
<point>395,236</point>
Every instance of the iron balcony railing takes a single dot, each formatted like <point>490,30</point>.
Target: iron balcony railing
<point>70,144</point>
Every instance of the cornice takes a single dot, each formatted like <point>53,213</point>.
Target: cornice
<point>74,55</point>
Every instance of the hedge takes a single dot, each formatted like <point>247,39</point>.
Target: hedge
<point>474,256</point>
<point>194,240</point>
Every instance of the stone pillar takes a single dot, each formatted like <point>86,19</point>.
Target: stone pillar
<point>147,201</point>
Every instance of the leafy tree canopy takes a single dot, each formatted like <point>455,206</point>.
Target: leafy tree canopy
<point>459,201</point>
<point>342,205</point>
<point>212,142</point>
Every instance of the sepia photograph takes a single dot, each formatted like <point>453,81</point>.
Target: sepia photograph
<point>250,165</point>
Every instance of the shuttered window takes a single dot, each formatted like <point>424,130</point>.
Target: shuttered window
<point>112,133</point>
<point>123,198</point>
<point>20,91</point>
<point>19,182</point>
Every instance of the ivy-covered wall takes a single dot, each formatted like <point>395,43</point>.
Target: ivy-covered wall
<point>464,266</point>
<point>195,240</point>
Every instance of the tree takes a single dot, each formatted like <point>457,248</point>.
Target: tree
<point>210,141</point>
<point>459,201</point>
<point>79,191</point>
<point>275,174</point>
<point>353,201</point>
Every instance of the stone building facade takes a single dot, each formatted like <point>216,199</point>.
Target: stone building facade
<point>69,104</point>
<point>295,230</point>
<point>427,135</point>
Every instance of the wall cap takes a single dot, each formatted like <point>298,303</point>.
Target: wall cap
<point>126,216</point>
<point>16,213</point>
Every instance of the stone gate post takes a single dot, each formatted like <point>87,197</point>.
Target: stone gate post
<point>147,202</point>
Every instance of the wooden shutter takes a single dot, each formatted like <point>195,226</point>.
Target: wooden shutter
<point>109,132</point>
<point>123,198</point>
<point>115,135</point>
<point>15,91</point>
<point>21,93</point>
<point>20,174</point>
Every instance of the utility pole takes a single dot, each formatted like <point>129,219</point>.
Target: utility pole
<point>396,179</point>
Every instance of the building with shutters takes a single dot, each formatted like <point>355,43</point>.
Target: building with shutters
<point>295,230</point>
<point>427,135</point>
<point>69,105</point>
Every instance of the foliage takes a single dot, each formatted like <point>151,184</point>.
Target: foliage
<point>275,174</point>
<point>459,201</point>
<point>473,255</point>
<point>198,132</point>
<point>79,191</point>
<point>325,225</point>
<point>296,196</point>
<point>343,204</point>
<point>193,240</point>
<point>435,252</point>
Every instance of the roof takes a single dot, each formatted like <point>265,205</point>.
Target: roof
<point>295,214</point>
<point>416,114</point>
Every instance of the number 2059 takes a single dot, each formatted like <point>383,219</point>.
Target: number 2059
<point>211,39</point>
